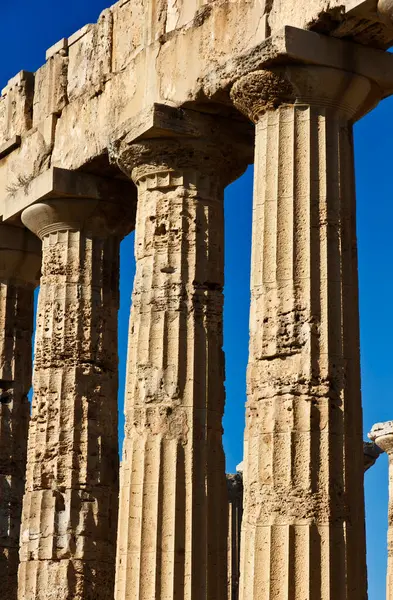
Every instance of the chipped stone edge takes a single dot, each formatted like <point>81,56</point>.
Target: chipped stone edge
<point>56,48</point>
<point>10,145</point>
<point>380,429</point>
<point>62,183</point>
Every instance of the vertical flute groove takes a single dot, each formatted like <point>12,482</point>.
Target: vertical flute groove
<point>70,507</point>
<point>16,328</point>
<point>174,398</point>
<point>303,519</point>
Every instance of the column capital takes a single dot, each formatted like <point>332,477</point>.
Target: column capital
<point>382,435</point>
<point>20,255</point>
<point>171,146</point>
<point>95,217</point>
<point>165,163</point>
<point>347,94</point>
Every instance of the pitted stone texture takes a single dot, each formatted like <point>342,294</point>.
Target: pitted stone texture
<point>265,90</point>
<point>16,105</point>
<point>70,508</point>
<point>90,58</point>
<point>172,539</point>
<point>303,525</point>
<point>193,51</point>
<point>50,93</point>
<point>20,257</point>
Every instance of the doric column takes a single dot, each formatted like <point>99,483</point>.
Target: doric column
<point>382,435</point>
<point>172,541</point>
<point>303,525</point>
<point>20,260</point>
<point>68,533</point>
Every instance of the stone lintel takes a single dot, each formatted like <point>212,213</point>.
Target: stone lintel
<point>10,145</point>
<point>62,183</point>
<point>56,48</point>
<point>312,48</point>
<point>367,22</point>
<point>17,80</point>
<point>75,37</point>
<point>163,121</point>
<point>292,45</point>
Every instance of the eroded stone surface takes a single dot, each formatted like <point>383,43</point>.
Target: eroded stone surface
<point>68,533</point>
<point>173,52</point>
<point>20,258</point>
<point>172,527</point>
<point>302,504</point>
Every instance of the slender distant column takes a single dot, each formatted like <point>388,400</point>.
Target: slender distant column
<point>68,533</point>
<point>303,525</point>
<point>20,260</point>
<point>172,542</point>
<point>235,514</point>
<point>382,435</point>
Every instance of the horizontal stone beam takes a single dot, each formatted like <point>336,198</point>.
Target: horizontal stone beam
<point>293,45</point>
<point>162,121</point>
<point>63,183</point>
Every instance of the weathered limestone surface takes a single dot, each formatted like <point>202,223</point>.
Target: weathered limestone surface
<point>97,104</point>
<point>95,85</point>
<point>68,535</point>
<point>172,540</point>
<point>382,435</point>
<point>371,453</point>
<point>303,526</point>
<point>20,259</point>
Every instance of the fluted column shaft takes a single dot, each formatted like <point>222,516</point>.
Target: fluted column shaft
<point>20,257</point>
<point>68,535</point>
<point>303,524</point>
<point>172,523</point>
<point>382,435</point>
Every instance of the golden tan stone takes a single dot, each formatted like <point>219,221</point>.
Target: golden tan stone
<point>303,525</point>
<point>68,533</point>
<point>173,470</point>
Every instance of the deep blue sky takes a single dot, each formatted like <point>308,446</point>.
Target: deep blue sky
<point>28,28</point>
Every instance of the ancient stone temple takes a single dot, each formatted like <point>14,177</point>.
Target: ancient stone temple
<point>138,123</point>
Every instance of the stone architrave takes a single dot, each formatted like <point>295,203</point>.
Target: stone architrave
<point>303,524</point>
<point>20,260</point>
<point>173,521</point>
<point>69,523</point>
<point>382,435</point>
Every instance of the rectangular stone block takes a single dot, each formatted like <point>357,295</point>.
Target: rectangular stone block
<point>56,48</point>
<point>129,31</point>
<point>50,95</point>
<point>16,106</point>
<point>90,57</point>
<point>60,183</point>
